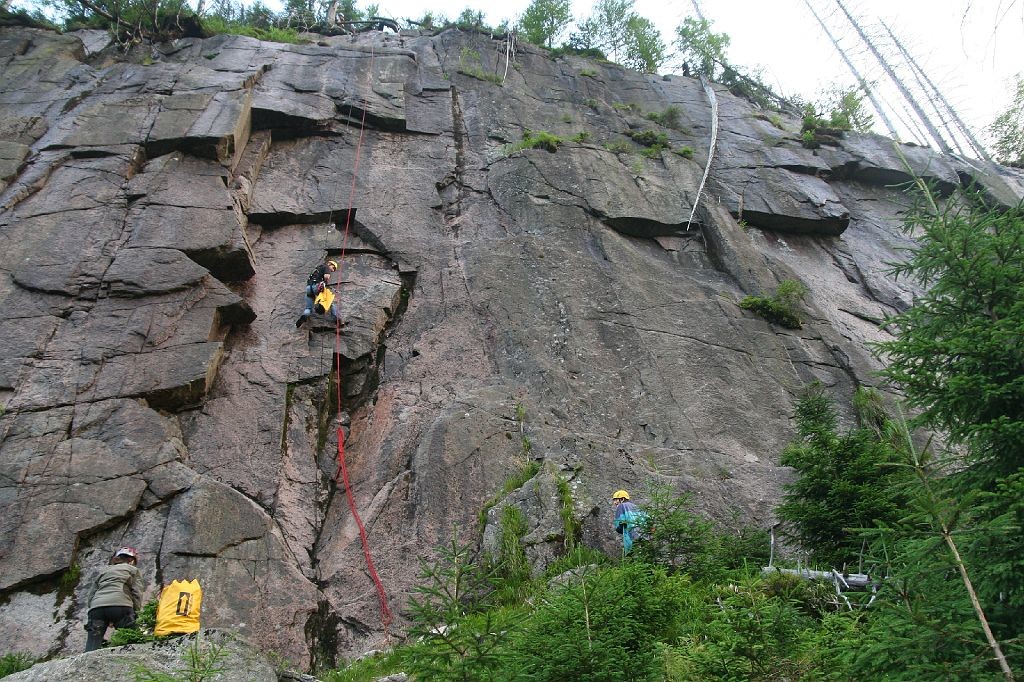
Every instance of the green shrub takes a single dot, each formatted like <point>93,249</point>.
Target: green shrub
<point>668,118</point>
<point>145,623</point>
<point>461,631</point>
<point>588,73</point>
<point>623,106</point>
<point>685,152</point>
<point>15,662</point>
<point>747,633</point>
<point>532,140</point>
<point>592,103</point>
<point>649,138</point>
<point>145,619</point>
<point>809,140</point>
<point>124,636</point>
<point>581,137</point>
<point>577,557</point>
<point>604,625</point>
<point>781,307</point>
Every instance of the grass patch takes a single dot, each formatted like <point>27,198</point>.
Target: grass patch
<point>619,147</point>
<point>367,669</point>
<point>588,73</point>
<point>623,106</point>
<point>470,65</point>
<point>592,103</point>
<point>581,137</point>
<point>685,152</point>
<point>216,26</point>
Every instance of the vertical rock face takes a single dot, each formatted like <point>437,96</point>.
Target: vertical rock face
<point>498,307</point>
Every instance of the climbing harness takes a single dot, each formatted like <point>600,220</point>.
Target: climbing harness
<point>342,469</point>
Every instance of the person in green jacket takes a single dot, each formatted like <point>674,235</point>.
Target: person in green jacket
<point>114,597</point>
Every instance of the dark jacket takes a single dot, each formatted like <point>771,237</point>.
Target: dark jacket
<point>317,275</point>
<point>116,585</point>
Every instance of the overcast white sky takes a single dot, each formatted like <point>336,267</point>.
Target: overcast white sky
<point>970,48</point>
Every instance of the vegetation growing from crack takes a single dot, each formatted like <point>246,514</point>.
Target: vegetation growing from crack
<point>470,65</point>
<point>781,307</point>
<point>619,147</point>
<point>846,112</point>
<point>533,140</point>
<point>528,467</point>
<point>15,662</point>
<point>668,118</point>
<point>567,511</point>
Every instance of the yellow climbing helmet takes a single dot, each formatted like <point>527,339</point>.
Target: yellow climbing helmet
<point>620,495</point>
<point>333,264</point>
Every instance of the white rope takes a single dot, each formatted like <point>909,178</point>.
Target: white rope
<point>509,50</point>
<point>710,92</point>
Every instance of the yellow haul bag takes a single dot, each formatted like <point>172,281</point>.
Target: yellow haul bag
<point>322,302</point>
<point>178,610</point>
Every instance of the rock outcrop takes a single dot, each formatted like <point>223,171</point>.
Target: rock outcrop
<point>210,653</point>
<point>159,220</point>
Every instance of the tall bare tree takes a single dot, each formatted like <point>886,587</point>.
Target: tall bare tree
<point>933,132</point>
<point>933,93</point>
<point>856,74</point>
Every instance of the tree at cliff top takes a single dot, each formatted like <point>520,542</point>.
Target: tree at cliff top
<point>701,50</point>
<point>133,20</point>
<point>544,20</point>
<point>702,53</point>
<point>613,28</point>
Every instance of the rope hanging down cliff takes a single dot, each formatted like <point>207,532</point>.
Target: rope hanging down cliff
<point>342,470</point>
<point>710,92</point>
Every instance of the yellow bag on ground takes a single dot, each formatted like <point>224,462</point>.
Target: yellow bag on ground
<point>322,302</point>
<point>178,610</point>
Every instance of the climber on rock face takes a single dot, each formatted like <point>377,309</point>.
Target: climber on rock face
<point>115,597</point>
<point>629,519</point>
<point>317,293</point>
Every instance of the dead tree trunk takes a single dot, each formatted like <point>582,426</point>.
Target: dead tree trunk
<point>856,74</point>
<point>932,130</point>
<point>933,92</point>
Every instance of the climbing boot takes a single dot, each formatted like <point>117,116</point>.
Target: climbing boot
<point>302,319</point>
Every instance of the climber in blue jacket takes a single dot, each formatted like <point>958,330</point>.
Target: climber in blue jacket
<point>629,519</point>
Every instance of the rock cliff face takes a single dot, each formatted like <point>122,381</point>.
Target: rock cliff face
<point>159,218</point>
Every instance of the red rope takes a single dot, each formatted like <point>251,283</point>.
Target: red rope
<point>385,612</point>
